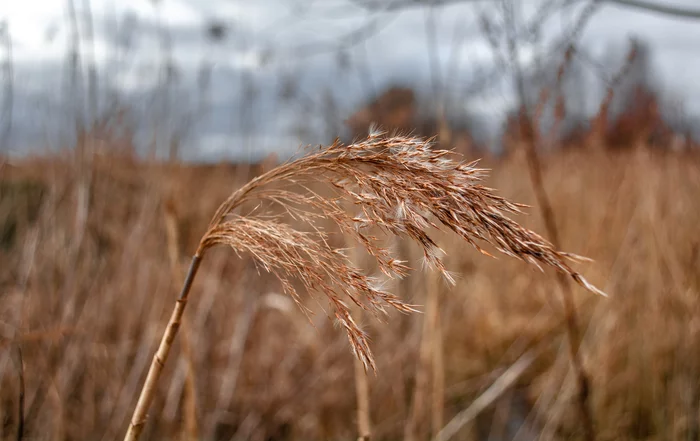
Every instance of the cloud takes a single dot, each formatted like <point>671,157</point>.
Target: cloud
<point>301,37</point>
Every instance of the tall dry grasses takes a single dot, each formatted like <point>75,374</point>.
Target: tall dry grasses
<point>86,349</point>
<point>401,186</point>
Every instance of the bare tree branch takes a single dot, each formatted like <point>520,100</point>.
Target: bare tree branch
<point>674,11</point>
<point>376,23</point>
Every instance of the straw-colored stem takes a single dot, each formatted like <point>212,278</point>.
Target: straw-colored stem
<point>138,420</point>
<point>438,387</point>
<point>425,363</point>
<point>570,314</point>
<point>362,390</point>
<point>364,424</point>
<point>190,389</point>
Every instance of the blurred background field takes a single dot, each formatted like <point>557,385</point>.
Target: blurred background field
<point>110,172</point>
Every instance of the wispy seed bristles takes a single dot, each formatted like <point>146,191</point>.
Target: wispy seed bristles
<point>398,185</point>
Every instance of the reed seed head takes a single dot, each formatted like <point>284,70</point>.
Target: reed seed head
<point>398,185</point>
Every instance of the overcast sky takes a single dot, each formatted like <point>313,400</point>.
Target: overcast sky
<point>271,42</point>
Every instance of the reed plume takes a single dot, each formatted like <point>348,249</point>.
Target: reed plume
<point>399,186</point>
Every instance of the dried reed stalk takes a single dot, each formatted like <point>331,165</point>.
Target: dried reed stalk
<point>402,187</point>
<point>426,363</point>
<point>573,331</point>
<point>430,373</point>
<point>438,365</point>
<point>364,425</point>
<point>497,389</point>
<point>432,288</point>
<point>190,389</point>
<point>571,320</point>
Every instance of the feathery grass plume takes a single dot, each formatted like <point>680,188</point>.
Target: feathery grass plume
<point>401,186</point>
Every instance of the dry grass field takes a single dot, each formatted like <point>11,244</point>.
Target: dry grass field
<point>92,258</point>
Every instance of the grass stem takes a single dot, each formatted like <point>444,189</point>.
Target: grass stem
<point>138,420</point>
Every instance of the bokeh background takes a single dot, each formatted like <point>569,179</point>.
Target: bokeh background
<point>123,125</point>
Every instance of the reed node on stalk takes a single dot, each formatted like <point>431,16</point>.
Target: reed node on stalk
<point>400,186</point>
